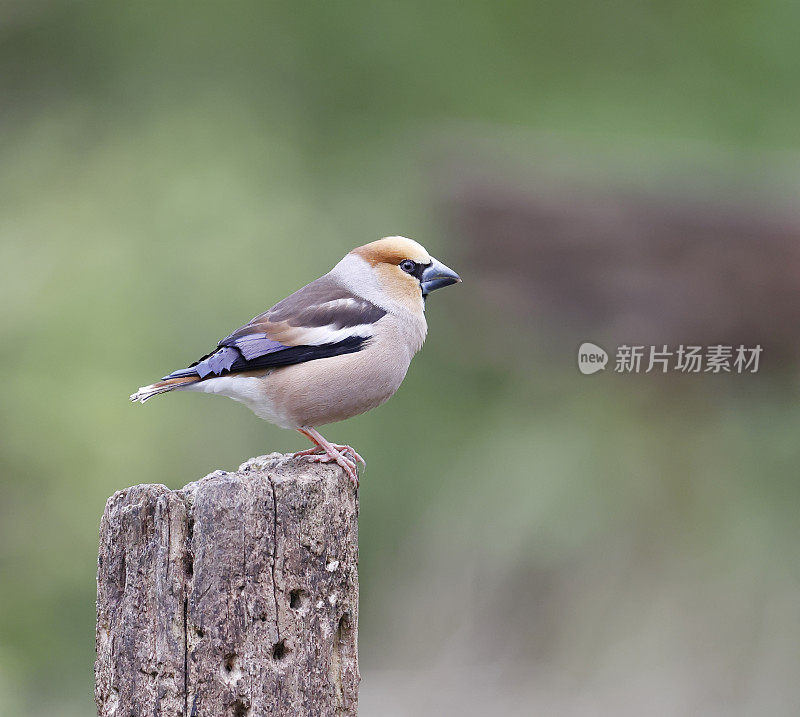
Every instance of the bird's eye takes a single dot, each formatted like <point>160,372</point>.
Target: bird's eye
<point>408,266</point>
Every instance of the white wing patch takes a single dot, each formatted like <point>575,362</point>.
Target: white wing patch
<point>318,335</point>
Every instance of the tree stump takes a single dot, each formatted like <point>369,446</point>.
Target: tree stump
<point>237,595</point>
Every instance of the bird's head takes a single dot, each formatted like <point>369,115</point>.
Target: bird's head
<point>404,268</point>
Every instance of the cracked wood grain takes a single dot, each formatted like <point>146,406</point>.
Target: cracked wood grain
<point>235,596</point>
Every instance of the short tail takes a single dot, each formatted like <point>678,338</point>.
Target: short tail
<point>169,384</point>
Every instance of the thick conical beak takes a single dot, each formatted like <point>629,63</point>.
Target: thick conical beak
<point>436,276</point>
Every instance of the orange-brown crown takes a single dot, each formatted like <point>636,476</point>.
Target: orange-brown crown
<point>392,250</point>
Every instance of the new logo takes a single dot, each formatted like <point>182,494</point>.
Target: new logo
<point>591,358</point>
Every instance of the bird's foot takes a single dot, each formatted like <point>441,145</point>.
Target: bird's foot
<point>349,466</point>
<point>342,449</point>
<point>316,455</point>
<point>352,451</point>
<point>316,450</point>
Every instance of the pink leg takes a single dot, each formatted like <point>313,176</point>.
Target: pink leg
<point>316,450</point>
<point>330,452</point>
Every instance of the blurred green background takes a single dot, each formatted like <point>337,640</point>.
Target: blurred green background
<point>533,541</point>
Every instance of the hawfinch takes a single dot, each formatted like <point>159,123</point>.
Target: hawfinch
<point>336,348</point>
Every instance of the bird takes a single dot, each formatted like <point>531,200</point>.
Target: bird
<point>336,348</point>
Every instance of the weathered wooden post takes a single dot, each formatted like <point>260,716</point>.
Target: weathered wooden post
<point>237,595</point>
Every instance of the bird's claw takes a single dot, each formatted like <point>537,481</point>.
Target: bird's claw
<point>307,452</point>
<point>352,451</point>
<point>316,455</point>
<point>316,450</point>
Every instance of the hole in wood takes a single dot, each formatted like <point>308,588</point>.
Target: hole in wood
<point>230,662</point>
<point>279,650</point>
<point>297,598</point>
<point>240,709</point>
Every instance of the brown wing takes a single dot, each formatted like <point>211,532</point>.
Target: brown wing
<point>320,320</point>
